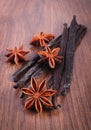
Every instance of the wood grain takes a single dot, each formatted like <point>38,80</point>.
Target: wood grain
<point>19,21</point>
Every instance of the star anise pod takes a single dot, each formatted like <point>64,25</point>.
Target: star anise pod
<point>51,56</point>
<point>40,39</point>
<point>38,95</point>
<point>16,55</point>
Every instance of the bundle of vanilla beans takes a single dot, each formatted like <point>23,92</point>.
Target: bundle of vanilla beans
<point>60,77</point>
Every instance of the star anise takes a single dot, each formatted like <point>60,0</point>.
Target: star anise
<point>51,56</point>
<point>16,55</point>
<point>38,95</point>
<point>40,39</point>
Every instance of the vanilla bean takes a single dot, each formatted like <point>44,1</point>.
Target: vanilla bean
<point>19,73</point>
<point>57,72</point>
<point>41,69</point>
<point>26,77</point>
<point>35,71</point>
<point>49,82</point>
<point>76,33</point>
<point>80,34</point>
<point>70,52</point>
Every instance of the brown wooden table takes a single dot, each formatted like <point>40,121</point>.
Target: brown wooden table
<point>19,21</point>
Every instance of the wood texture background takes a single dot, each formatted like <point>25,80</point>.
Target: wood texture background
<point>19,21</point>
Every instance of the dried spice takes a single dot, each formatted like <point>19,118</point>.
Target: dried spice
<point>61,75</point>
<point>19,73</point>
<point>59,68</point>
<point>35,71</point>
<point>40,39</point>
<point>51,56</point>
<point>37,68</point>
<point>38,95</point>
<point>25,77</point>
<point>15,55</point>
<point>76,33</point>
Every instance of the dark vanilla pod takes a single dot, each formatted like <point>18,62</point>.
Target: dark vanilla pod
<point>76,33</point>
<point>69,56</point>
<point>57,72</point>
<point>35,71</point>
<point>26,77</point>
<point>19,73</point>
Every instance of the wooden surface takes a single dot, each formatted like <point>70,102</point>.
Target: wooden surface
<point>19,21</point>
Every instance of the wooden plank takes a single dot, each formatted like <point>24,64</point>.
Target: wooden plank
<point>19,21</point>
